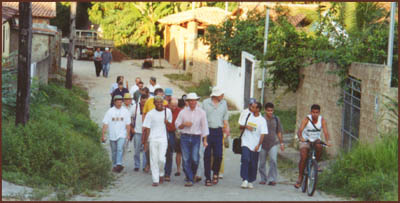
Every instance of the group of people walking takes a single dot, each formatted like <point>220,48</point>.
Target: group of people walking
<point>159,124</point>
<point>102,61</point>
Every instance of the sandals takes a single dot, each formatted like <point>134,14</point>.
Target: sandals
<point>297,185</point>
<point>208,183</point>
<point>215,179</point>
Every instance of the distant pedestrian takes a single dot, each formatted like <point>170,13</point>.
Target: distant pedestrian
<point>97,61</point>
<point>216,110</point>
<point>137,131</point>
<point>121,90</point>
<point>192,122</point>
<point>106,58</point>
<point>153,85</point>
<point>142,90</point>
<point>270,146</point>
<point>135,87</point>
<point>173,106</point>
<point>254,131</point>
<point>114,86</point>
<point>117,120</point>
<point>155,132</point>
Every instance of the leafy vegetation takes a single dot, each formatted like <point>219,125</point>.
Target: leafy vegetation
<point>59,146</point>
<point>181,77</point>
<point>368,172</point>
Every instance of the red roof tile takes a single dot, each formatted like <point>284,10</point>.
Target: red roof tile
<point>39,9</point>
<point>206,15</point>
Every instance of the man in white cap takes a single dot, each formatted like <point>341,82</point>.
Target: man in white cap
<point>192,122</point>
<point>155,131</point>
<point>216,110</point>
<point>106,59</point>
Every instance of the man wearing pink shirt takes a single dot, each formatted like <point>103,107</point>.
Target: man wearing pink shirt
<point>193,124</point>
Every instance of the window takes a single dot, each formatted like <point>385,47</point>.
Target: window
<point>200,33</point>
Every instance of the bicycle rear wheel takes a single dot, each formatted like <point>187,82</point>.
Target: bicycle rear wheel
<point>312,178</point>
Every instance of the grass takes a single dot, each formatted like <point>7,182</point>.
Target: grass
<point>368,172</point>
<point>180,77</point>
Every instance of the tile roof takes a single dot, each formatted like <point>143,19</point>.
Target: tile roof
<point>39,9</point>
<point>206,15</point>
<point>7,13</point>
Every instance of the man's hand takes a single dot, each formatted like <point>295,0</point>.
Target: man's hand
<point>257,148</point>
<point>302,139</point>
<point>328,144</point>
<point>205,144</point>
<point>103,139</point>
<point>187,124</point>
<point>226,132</point>
<point>166,122</point>
<point>249,128</point>
<point>133,131</point>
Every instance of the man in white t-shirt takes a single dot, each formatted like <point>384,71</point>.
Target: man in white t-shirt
<point>117,120</point>
<point>155,131</point>
<point>153,85</point>
<point>245,112</point>
<point>137,131</point>
<point>254,131</point>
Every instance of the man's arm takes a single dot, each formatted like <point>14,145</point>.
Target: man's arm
<point>279,133</point>
<point>302,126</point>
<point>104,130</point>
<point>325,130</point>
<point>259,143</point>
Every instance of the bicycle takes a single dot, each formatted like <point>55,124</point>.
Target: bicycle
<point>310,174</point>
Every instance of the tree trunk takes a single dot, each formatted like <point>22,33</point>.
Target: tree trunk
<point>71,50</point>
<point>24,62</point>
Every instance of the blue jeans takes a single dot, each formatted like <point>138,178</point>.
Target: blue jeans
<point>117,148</point>
<point>137,141</point>
<point>248,167</point>
<point>190,145</point>
<point>214,141</point>
<point>106,68</point>
<point>170,151</point>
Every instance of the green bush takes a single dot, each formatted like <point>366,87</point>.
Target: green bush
<point>367,172</point>
<point>59,144</point>
<point>136,51</point>
<point>202,90</point>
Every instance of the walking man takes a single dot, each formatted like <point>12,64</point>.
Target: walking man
<point>128,106</point>
<point>155,132</point>
<point>173,106</point>
<point>106,59</point>
<point>137,131</point>
<point>192,122</point>
<point>217,116</point>
<point>254,131</point>
<point>153,85</point>
<point>135,87</point>
<point>310,130</point>
<point>121,90</point>
<point>270,146</point>
<point>118,121</point>
<point>97,61</point>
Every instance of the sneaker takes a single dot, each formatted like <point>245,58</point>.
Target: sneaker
<point>250,186</point>
<point>244,184</point>
<point>221,176</point>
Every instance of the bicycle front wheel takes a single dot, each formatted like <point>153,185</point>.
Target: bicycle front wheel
<point>304,183</point>
<point>312,178</point>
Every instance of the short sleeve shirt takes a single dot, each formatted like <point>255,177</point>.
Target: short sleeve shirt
<point>250,139</point>
<point>274,128</point>
<point>117,119</point>
<point>155,122</point>
<point>216,115</point>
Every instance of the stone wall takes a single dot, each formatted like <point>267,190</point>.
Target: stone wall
<point>40,46</point>
<point>318,87</point>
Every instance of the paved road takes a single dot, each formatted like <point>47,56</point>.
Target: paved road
<point>136,186</point>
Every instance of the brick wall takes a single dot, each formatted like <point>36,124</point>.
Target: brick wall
<point>318,87</point>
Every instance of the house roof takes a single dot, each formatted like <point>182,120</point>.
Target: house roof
<point>206,15</point>
<point>39,9</point>
<point>7,13</point>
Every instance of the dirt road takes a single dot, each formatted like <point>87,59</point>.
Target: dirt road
<point>136,186</point>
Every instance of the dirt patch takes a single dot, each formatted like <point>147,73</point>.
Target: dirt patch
<point>118,56</point>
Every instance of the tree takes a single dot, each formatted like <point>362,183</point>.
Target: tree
<point>70,60</point>
<point>24,62</point>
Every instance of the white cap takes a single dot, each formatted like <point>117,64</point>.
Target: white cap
<point>216,92</point>
<point>192,96</point>
<point>106,48</point>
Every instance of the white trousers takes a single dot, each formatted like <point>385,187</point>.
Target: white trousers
<point>157,159</point>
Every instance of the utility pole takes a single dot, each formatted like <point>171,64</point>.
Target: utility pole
<point>24,62</point>
<point>70,59</point>
<point>391,36</point>
<point>265,53</point>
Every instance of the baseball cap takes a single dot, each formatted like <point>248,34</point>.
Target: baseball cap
<point>117,97</point>
<point>168,91</point>
<point>252,101</point>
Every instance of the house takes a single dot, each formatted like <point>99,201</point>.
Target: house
<point>45,37</point>
<point>182,45</point>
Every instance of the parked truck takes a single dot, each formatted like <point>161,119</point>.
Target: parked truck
<point>86,42</point>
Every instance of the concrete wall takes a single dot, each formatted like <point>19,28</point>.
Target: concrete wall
<point>40,70</point>
<point>40,46</point>
<point>201,67</point>
<point>318,87</point>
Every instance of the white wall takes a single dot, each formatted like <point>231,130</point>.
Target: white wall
<point>230,79</point>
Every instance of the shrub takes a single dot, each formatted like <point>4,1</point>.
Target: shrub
<point>367,172</point>
<point>203,89</point>
<point>136,51</point>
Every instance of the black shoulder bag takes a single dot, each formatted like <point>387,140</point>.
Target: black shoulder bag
<point>237,142</point>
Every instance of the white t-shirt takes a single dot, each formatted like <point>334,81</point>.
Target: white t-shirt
<point>310,133</point>
<point>152,88</point>
<point>243,116</point>
<point>155,121</point>
<point>133,89</point>
<point>138,125</point>
<point>117,119</point>
<point>130,109</point>
<point>250,139</point>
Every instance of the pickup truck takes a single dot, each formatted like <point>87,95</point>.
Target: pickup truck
<point>86,42</point>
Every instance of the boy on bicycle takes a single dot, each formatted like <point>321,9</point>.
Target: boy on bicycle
<point>311,132</point>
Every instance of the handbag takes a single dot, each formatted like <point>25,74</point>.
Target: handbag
<point>237,142</point>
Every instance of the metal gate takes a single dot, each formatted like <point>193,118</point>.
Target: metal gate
<point>351,113</point>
